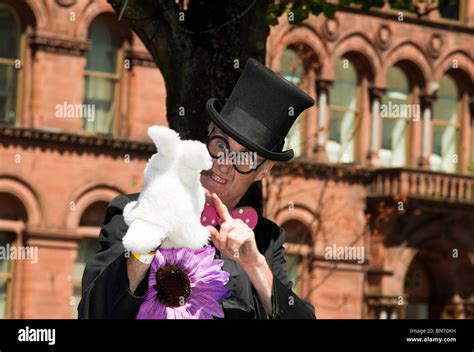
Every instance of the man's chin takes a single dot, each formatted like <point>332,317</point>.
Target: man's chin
<point>211,187</point>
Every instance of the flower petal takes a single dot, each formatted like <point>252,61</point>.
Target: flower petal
<point>151,309</point>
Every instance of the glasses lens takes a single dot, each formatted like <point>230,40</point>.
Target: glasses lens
<point>217,147</point>
<point>244,161</point>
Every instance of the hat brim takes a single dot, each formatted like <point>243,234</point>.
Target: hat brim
<point>223,125</point>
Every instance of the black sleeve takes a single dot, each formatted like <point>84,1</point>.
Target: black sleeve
<point>285,303</point>
<point>105,285</point>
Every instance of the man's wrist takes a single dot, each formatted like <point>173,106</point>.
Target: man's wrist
<point>261,277</point>
<point>144,258</point>
<point>259,263</point>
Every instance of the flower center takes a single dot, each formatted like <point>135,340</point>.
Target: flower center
<point>172,286</point>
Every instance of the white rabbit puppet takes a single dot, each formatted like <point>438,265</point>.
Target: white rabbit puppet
<point>168,210</point>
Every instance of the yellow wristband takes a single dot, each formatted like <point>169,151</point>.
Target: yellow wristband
<point>144,258</point>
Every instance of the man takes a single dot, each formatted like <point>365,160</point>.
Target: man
<point>254,122</point>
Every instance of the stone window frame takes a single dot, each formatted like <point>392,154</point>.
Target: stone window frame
<point>117,77</point>
<point>356,111</point>
<point>21,56</point>
<point>436,122</point>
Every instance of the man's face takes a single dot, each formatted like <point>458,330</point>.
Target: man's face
<point>224,180</point>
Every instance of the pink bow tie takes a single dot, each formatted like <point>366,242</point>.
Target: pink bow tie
<point>248,215</point>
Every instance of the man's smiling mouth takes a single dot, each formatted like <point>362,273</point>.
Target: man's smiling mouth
<point>217,179</point>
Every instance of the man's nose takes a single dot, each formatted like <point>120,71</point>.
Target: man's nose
<point>225,166</point>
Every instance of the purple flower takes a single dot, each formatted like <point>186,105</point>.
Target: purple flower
<point>185,284</point>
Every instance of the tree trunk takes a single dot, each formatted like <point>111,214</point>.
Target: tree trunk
<point>201,52</point>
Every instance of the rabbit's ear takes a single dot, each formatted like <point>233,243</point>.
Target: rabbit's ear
<point>165,139</point>
<point>195,155</point>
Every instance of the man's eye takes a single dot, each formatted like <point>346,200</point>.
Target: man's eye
<point>221,145</point>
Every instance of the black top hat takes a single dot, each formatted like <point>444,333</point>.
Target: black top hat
<point>260,111</point>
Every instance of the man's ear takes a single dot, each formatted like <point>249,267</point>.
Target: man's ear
<point>265,169</point>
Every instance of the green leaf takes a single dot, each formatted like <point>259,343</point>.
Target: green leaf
<point>316,8</point>
<point>299,14</point>
<point>272,20</point>
<point>345,2</point>
<point>329,10</point>
<point>276,9</point>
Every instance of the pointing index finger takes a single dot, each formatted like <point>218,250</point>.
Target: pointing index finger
<point>221,208</point>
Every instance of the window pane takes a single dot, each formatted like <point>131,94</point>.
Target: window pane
<point>449,9</point>
<point>87,248</point>
<point>5,269</point>
<point>10,34</point>
<point>445,127</point>
<point>292,263</point>
<point>290,66</point>
<point>397,80</point>
<point>100,93</point>
<point>335,127</point>
<point>340,146</point>
<point>437,137</point>
<point>8,87</point>
<point>445,106</point>
<point>398,143</point>
<point>393,143</point>
<point>444,149</point>
<point>293,138</point>
<point>292,70</point>
<point>393,149</point>
<point>105,44</point>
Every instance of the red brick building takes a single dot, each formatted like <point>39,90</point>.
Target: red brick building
<point>378,205</point>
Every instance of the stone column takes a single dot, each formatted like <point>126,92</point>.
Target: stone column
<point>468,13</point>
<point>376,95</point>
<point>319,150</point>
<point>311,118</point>
<point>465,136</point>
<point>427,102</point>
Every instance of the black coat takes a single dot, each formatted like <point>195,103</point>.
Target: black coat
<point>105,285</point>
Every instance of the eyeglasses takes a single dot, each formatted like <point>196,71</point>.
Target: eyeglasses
<point>244,162</point>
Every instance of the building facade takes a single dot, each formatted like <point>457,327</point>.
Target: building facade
<point>377,205</point>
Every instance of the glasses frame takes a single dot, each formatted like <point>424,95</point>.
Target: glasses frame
<point>222,138</point>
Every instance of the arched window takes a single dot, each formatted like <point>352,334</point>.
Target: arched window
<point>418,288</point>
<point>292,69</point>
<point>394,112</point>
<point>87,248</point>
<point>10,33</point>
<point>297,246</point>
<point>93,216</point>
<point>343,113</point>
<point>102,76</point>
<point>6,276</point>
<point>11,209</point>
<point>445,127</point>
